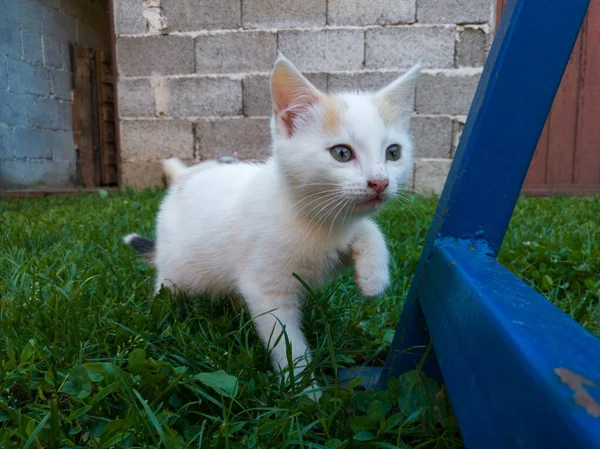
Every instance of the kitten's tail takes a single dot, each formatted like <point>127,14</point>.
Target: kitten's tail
<point>174,169</point>
<point>142,245</point>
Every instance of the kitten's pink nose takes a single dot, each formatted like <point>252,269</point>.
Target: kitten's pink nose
<point>378,185</point>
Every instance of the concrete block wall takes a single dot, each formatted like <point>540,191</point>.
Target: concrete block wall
<point>194,74</point>
<point>36,128</point>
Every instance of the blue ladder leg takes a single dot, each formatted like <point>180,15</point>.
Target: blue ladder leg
<point>520,373</point>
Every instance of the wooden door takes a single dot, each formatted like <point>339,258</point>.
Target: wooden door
<point>94,117</point>
<point>567,158</point>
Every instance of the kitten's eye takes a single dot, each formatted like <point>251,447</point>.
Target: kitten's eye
<point>393,152</point>
<point>341,153</point>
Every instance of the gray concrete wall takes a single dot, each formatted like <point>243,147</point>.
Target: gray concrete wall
<point>36,129</point>
<point>193,74</point>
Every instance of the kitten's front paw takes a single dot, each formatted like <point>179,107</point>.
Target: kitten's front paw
<point>372,279</point>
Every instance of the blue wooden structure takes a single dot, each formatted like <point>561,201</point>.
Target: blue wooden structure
<point>520,373</point>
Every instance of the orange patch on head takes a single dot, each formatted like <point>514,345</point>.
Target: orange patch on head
<point>332,110</point>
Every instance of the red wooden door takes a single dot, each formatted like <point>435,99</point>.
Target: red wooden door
<point>567,158</point>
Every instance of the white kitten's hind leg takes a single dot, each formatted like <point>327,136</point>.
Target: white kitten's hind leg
<point>371,259</point>
<point>272,314</point>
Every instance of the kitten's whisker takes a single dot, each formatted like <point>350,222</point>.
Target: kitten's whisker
<point>351,201</point>
<point>314,194</point>
<point>343,204</point>
<point>409,200</point>
<point>323,197</point>
<point>323,207</point>
<point>317,219</point>
<point>313,184</point>
<point>406,201</point>
<point>412,223</point>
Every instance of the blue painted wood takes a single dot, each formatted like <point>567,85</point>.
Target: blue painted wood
<point>522,73</point>
<point>501,347</point>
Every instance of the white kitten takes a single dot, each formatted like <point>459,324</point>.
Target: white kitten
<point>242,227</point>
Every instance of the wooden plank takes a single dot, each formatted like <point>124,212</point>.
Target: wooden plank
<point>101,119</point>
<point>108,112</point>
<point>96,118</point>
<point>113,62</point>
<point>107,119</point>
<point>506,352</point>
<point>110,135</point>
<point>587,155</point>
<point>83,117</point>
<point>563,123</point>
<point>563,189</point>
<point>108,94</point>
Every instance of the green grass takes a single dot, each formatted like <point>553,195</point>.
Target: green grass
<point>88,358</point>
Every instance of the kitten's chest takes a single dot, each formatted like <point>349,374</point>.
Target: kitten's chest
<point>315,267</point>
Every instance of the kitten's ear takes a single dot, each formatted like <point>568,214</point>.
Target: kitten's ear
<point>291,92</point>
<point>396,100</point>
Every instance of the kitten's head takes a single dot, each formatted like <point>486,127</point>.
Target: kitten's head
<point>345,153</point>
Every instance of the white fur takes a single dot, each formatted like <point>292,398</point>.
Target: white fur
<point>227,228</point>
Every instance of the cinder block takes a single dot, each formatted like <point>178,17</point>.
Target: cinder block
<point>27,14</point>
<point>3,72</point>
<point>204,96</point>
<point>65,51</point>
<point>323,50</point>
<point>52,52</point>
<point>248,51</point>
<point>64,120</point>
<point>373,12</point>
<point>196,15</point>
<point>10,39</point>
<point>245,138</point>
<point>6,143</point>
<point>471,47</point>
<point>63,146</point>
<point>432,136</point>
<point>156,139</point>
<point>59,24</point>
<point>402,47</point>
<point>32,47</point>
<point>129,18</point>
<point>166,55</point>
<point>365,81</point>
<point>18,174</point>
<point>136,98</point>
<point>32,143</point>
<point>60,84</point>
<point>257,92</point>
<point>13,108</point>
<point>284,13</point>
<point>446,93</point>
<point>141,174</point>
<point>27,78</point>
<point>431,174</point>
<point>43,113</point>
<point>458,125</point>
<point>455,11</point>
